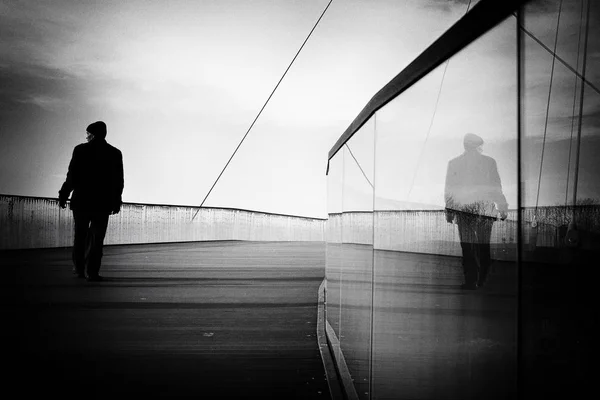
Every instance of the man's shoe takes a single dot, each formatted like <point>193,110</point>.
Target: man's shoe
<point>483,280</point>
<point>78,274</point>
<point>94,278</point>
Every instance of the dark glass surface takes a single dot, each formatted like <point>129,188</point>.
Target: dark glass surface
<point>431,338</point>
<point>356,280</point>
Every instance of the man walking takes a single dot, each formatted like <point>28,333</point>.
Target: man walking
<point>95,177</point>
<point>474,198</point>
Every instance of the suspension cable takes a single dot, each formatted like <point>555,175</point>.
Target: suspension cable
<point>431,121</point>
<point>573,111</point>
<point>263,107</point>
<point>435,108</point>
<point>548,108</point>
<point>578,149</point>
<point>357,163</point>
<point>558,58</point>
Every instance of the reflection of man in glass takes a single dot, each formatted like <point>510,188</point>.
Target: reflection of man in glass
<point>473,198</point>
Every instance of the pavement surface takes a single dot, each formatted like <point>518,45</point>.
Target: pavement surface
<point>204,320</point>
<point>238,320</point>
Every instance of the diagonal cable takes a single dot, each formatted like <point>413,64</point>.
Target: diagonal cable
<point>357,163</point>
<point>431,122</point>
<point>558,58</point>
<point>573,112</point>
<point>548,106</point>
<point>263,107</point>
<point>437,101</point>
<point>581,98</point>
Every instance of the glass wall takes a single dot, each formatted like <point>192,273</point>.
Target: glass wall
<point>350,254</point>
<point>560,138</point>
<point>435,338</point>
<point>445,258</point>
<point>335,186</point>
<point>357,249</point>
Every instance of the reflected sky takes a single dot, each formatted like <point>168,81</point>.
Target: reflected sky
<point>475,91</point>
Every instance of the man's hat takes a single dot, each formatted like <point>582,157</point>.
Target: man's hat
<point>98,129</point>
<point>472,141</point>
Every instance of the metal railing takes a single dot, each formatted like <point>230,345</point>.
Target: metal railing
<point>37,222</point>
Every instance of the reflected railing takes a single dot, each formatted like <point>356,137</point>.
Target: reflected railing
<point>427,231</point>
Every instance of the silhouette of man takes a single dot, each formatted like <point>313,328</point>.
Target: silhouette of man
<point>95,177</point>
<point>474,198</point>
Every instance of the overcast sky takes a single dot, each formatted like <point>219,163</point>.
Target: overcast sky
<point>179,82</point>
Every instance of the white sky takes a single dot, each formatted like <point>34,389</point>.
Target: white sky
<point>179,82</point>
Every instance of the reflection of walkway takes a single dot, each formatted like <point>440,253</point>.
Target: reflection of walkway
<point>430,339</point>
<point>230,319</point>
<point>452,344</point>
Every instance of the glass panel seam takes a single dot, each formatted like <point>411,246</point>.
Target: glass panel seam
<point>520,111</point>
<point>372,335</point>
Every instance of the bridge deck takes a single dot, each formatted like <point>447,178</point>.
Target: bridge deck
<point>213,320</point>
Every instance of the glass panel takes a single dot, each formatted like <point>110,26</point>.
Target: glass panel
<point>561,196</point>
<point>333,269</point>
<point>436,334</point>
<point>356,277</point>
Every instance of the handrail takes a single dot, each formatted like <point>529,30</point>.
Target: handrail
<point>176,205</point>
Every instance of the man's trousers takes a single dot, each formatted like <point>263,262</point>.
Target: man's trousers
<point>90,229</point>
<point>475,232</point>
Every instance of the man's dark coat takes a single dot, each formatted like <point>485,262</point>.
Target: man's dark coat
<point>95,176</point>
<point>473,185</point>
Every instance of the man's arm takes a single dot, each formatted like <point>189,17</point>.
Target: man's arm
<point>119,183</point>
<point>449,189</point>
<point>69,184</point>
<point>497,194</point>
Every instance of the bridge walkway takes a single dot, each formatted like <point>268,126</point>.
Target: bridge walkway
<point>204,320</point>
